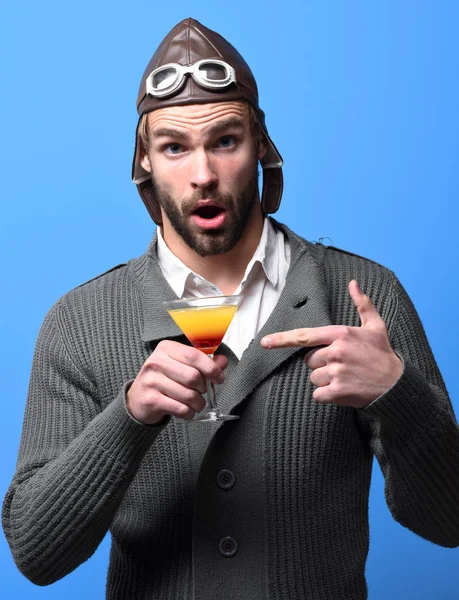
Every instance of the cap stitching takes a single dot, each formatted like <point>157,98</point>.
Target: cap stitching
<point>209,42</point>
<point>166,46</point>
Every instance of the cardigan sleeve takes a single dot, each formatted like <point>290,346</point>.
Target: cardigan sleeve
<point>75,463</point>
<point>414,434</point>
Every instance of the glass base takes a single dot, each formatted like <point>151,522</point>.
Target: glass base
<point>214,416</point>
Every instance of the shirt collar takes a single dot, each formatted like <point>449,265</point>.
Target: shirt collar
<point>266,254</point>
<point>178,274</point>
<point>174,271</point>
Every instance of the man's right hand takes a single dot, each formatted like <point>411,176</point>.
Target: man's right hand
<point>172,381</point>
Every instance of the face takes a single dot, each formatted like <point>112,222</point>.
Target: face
<point>203,160</point>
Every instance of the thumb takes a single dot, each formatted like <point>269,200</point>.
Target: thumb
<point>221,360</point>
<point>369,316</point>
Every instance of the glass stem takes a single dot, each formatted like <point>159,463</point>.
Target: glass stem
<point>211,395</point>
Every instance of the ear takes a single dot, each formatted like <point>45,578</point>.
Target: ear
<point>145,162</point>
<point>261,149</point>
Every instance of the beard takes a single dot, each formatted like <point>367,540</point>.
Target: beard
<point>215,241</point>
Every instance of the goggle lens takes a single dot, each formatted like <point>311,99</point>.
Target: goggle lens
<point>213,72</point>
<point>164,78</point>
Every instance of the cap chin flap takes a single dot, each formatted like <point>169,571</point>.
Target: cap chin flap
<point>273,184</point>
<point>147,193</point>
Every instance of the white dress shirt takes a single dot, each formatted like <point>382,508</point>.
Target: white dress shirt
<point>261,286</point>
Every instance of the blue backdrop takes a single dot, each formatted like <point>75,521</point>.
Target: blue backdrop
<point>361,100</point>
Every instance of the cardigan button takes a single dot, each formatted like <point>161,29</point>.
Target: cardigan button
<point>227,546</point>
<point>226,479</point>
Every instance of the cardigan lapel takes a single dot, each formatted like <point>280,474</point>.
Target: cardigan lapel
<point>303,303</point>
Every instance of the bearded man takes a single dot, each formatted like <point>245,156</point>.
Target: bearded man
<point>273,504</point>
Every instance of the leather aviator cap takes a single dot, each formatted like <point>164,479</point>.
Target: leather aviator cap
<point>188,42</point>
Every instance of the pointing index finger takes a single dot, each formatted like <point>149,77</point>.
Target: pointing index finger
<point>306,337</point>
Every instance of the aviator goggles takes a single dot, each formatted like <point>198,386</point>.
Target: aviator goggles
<point>208,73</point>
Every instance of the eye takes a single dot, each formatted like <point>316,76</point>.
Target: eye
<point>173,149</point>
<point>227,141</point>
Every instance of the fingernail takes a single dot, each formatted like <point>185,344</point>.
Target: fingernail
<point>221,378</point>
<point>266,342</point>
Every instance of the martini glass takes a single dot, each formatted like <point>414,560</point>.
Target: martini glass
<point>204,321</point>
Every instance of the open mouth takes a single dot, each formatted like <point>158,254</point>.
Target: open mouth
<point>208,212</point>
<point>209,216</point>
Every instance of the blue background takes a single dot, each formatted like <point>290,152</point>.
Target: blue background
<point>361,100</point>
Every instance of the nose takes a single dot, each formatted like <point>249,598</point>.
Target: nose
<point>203,172</point>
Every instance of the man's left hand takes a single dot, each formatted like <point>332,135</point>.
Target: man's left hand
<point>353,365</point>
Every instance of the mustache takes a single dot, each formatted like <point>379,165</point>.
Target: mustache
<point>188,205</point>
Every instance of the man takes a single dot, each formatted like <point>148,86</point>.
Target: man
<point>274,504</point>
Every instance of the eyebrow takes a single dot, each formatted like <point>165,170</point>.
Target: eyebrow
<point>169,132</point>
<point>231,122</point>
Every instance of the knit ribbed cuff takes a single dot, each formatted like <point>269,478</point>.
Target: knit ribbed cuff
<point>120,434</point>
<point>408,405</point>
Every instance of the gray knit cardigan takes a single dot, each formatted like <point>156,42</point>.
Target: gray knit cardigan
<point>295,509</point>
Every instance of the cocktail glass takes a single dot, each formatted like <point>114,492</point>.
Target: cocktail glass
<point>204,321</point>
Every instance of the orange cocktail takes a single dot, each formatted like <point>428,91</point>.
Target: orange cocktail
<point>204,321</point>
<point>205,326</point>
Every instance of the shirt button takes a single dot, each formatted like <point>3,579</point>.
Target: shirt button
<point>227,546</point>
<point>226,479</point>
